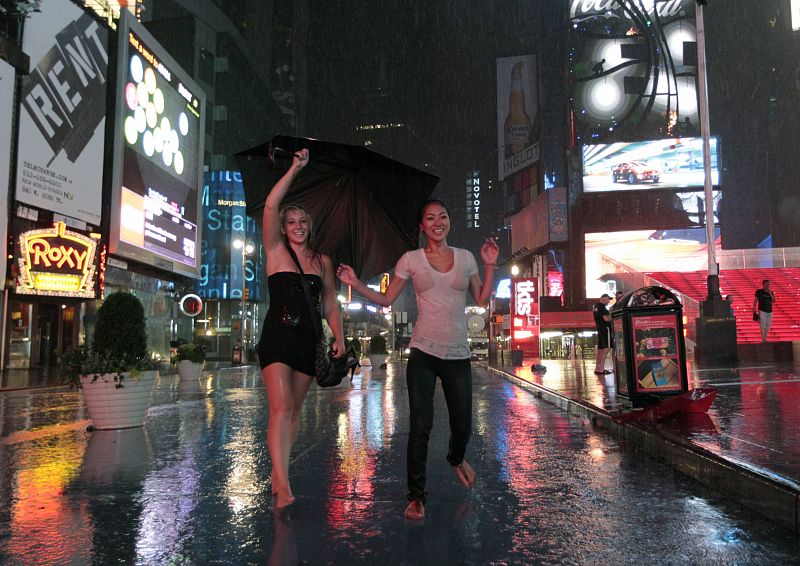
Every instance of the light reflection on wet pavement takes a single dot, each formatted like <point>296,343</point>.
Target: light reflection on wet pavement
<point>192,486</point>
<point>754,421</point>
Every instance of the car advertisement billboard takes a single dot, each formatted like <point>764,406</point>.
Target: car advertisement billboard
<point>158,156</point>
<point>666,163</point>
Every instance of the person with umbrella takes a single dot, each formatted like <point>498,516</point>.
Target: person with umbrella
<point>288,339</point>
<point>441,276</point>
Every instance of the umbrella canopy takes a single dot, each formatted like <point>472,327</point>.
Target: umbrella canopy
<point>363,205</point>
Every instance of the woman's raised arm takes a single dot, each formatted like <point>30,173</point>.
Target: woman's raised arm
<point>270,222</point>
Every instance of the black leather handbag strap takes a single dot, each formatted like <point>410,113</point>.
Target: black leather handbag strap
<point>315,316</point>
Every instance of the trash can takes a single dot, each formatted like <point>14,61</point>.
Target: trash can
<point>516,358</point>
<point>649,346</point>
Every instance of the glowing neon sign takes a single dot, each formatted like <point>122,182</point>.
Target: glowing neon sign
<point>525,316</point>
<point>56,262</point>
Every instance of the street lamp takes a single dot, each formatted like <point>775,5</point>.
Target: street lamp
<point>247,248</point>
<point>514,270</point>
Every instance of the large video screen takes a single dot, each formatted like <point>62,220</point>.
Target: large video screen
<point>612,256</point>
<point>158,156</point>
<point>668,163</point>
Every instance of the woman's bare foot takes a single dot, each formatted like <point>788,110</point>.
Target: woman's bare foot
<point>283,498</point>
<point>415,511</point>
<point>465,474</point>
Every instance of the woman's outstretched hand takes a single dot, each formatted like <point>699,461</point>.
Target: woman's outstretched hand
<point>489,252</point>
<point>346,275</point>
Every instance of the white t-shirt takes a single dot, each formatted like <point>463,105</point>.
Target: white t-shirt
<point>441,328</point>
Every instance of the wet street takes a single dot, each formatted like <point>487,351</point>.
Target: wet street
<point>193,487</point>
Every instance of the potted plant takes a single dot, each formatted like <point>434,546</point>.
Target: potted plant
<point>189,359</point>
<point>377,351</point>
<point>116,373</point>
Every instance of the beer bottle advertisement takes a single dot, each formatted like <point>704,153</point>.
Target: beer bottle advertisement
<point>517,108</point>
<point>518,123</point>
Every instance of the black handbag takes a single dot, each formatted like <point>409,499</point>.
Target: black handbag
<point>756,317</point>
<point>328,371</point>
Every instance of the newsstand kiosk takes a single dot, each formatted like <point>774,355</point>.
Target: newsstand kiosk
<point>649,347</point>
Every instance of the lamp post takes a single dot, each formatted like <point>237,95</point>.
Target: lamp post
<point>247,248</point>
<point>716,328</point>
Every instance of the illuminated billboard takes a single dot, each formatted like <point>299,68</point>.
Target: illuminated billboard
<point>62,113</point>
<point>667,163</point>
<point>633,68</point>
<point>222,265</point>
<point>525,319</point>
<point>611,256</point>
<point>518,126</point>
<point>158,156</point>
<point>56,262</point>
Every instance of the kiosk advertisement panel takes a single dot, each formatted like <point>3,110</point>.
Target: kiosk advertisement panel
<point>658,365</point>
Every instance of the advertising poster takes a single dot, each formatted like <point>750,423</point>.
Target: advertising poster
<point>224,220</point>
<point>610,255</point>
<point>668,163</point>
<point>518,122</point>
<point>633,68</point>
<point>62,119</point>
<point>658,365</point>
<point>525,318</point>
<point>6,111</point>
<point>158,157</point>
<point>620,365</point>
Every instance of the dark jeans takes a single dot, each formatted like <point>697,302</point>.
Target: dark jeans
<point>456,376</point>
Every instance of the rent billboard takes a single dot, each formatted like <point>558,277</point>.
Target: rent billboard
<point>62,119</point>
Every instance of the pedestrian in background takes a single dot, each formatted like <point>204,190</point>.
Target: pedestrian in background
<point>288,341</point>
<point>762,308</point>
<point>602,322</point>
<point>441,276</point>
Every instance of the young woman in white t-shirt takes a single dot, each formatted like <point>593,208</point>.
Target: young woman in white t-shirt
<point>441,276</point>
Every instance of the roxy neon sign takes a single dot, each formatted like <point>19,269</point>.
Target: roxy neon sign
<point>56,262</point>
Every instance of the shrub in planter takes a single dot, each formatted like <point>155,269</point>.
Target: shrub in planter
<point>194,352</point>
<point>120,331</point>
<point>116,373</point>
<point>377,345</point>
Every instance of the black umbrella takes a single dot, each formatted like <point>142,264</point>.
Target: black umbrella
<point>363,204</point>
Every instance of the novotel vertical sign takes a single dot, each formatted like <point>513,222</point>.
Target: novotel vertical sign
<point>525,316</point>
<point>56,262</point>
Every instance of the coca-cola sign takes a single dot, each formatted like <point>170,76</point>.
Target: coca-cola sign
<point>664,8</point>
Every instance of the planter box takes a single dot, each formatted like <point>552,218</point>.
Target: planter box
<point>189,370</point>
<point>111,407</point>
<point>376,360</point>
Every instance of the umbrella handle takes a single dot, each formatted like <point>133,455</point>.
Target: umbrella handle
<point>275,151</point>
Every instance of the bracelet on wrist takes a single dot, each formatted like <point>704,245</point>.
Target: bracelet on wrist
<point>489,265</point>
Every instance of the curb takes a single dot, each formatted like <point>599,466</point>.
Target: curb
<point>775,498</point>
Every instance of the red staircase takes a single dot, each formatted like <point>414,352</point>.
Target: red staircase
<point>741,284</point>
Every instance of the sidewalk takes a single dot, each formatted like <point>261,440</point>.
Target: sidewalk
<point>31,378</point>
<point>747,446</point>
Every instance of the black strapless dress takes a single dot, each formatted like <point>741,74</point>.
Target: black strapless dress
<point>288,334</point>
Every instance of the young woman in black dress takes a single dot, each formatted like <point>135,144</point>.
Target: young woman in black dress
<point>288,340</point>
